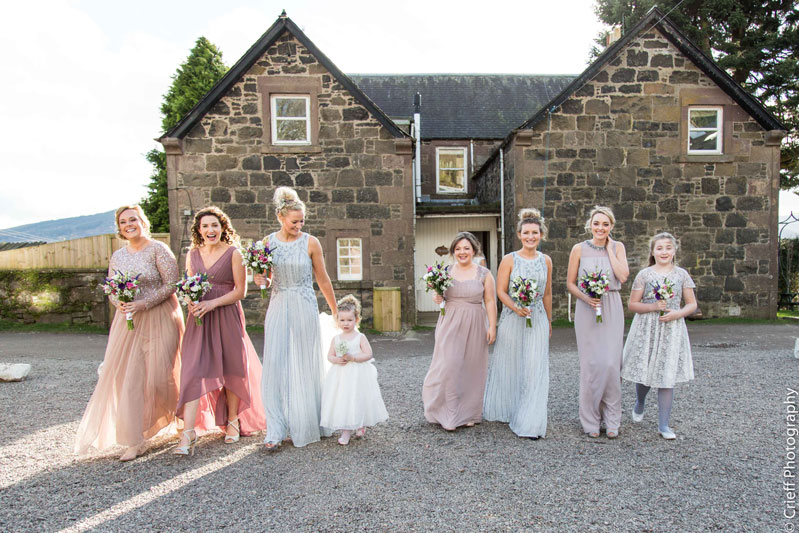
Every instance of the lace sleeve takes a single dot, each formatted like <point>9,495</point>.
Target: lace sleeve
<point>167,267</point>
<point>483,272</point>
<point>687,282</point>
<point>112,265</point>
<point>640,282</point>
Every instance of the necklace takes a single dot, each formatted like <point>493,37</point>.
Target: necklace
<point>594,246</point>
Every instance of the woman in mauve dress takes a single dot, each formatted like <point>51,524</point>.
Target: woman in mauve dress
<point>221,372</point>
<point>599,344</point>
<point>137,389</point>
<point>454,386</point>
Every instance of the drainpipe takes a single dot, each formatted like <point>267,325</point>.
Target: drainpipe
<point>501,204</point>
<point>471,154</point>
<point>417,117</point>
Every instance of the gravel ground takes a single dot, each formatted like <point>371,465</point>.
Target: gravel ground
<point>723,473</point>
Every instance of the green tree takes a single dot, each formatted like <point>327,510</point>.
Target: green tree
<point>757,43</point>
<point>192,80</point>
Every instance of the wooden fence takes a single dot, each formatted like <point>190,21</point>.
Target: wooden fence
<point>88,252</point>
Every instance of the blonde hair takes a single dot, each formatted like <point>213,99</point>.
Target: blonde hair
<point>228,236</point>
<point>659,237</point>
<point>469,237</point>
<point>599,210</point>
<point>285,200</point>
<point>531,215</point>
<point>145,222</point>
<point>350,303</point>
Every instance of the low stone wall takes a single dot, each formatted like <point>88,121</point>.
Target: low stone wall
<point>53,296</point>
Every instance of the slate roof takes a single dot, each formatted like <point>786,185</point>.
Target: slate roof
<point>463,106</point>
<point>256,51</point>
<point>5,246</point>
<point>654,18</point>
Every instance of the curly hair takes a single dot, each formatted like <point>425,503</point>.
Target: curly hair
<point>350,303</point>
<point>229,235</point>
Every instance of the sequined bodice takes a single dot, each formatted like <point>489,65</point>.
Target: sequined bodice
<point>157,266</point>
<point>536,269</point>
<point>291,264</point>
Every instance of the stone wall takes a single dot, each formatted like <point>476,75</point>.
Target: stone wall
<point>355,177</point>
<point>620,141</point>
<point>53,296</point>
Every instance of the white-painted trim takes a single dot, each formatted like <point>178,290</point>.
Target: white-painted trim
<point>272,101</point>
<point>457,215</point>
<point>349,276</point>
<point>720,129</point>
<point>465,169</point>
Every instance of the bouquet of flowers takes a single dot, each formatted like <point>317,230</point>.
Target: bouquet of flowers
<point>124,287</point>
<point>192,289</point>
<point>524,292</point>
<point>594,284</point>
<point>341,348</point>
<point>258,257</point>
<point>438,279</point>
<point>663,291</point>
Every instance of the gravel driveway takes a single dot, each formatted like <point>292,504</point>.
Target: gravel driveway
<point>723,473</point>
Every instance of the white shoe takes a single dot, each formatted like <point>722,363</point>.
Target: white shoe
<point>637,417</point>
<point>668,434</point>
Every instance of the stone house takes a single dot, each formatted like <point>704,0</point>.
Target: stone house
<point>654,129</point>
<point>284,114</point>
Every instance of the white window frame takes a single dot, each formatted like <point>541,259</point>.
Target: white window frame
<point>719,140</point>
<point>274,118</point>
<point>439,149</point>
<point>342,275</point>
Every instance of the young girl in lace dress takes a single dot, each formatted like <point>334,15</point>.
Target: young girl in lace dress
<point>657,352</point>
<point>351,398</point>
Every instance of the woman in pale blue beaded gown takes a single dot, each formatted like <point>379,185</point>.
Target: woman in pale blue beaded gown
<point>291,384</point>
<point>518,373</point>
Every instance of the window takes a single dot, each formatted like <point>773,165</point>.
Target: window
<point>348,259</point>
<point>451,170</point>
<point>704,130</point>
<point>291,122</point>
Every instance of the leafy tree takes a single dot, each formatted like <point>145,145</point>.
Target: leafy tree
<point>757,43</point>
<point>192,80</point>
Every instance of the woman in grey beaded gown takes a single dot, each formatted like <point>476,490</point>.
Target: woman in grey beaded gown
<point>599,344</point>
<point>291,383</point>
<point>518,373</point>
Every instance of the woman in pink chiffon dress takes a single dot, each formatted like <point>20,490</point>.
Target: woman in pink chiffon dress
<point>221,373</point>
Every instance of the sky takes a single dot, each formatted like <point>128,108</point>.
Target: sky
<point>83,79</point>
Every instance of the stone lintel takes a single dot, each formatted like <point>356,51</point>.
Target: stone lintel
<point>774,137</point>
<point>403,147</point>
<point>172,146</point>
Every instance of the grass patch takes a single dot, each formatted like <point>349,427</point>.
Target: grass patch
<point>788,313</point>
<point>739,320</point>
<point>423,328</point>
<point>7,325</point>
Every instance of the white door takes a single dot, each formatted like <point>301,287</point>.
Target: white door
<point>435,234</point>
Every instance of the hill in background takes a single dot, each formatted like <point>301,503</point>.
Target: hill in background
<point>61,229</point>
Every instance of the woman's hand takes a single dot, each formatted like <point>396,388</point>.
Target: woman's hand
<point>132,307</point>
<point>594,302</point>
<point>261,279</point>
<point>523,312</point>
<point>660,305</point>
<point>550,329</point>
<point>349,358</point>
<point>670,315</point>
<point>199,309</point>
<point>491,335</point>
<point>437,298</point>
<point>340,360</point>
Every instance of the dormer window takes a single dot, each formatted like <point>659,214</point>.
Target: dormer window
<point>705,130</point>
<point>450,170</point>
<point>291,119</point>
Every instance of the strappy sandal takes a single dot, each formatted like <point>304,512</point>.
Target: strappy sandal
<point>272,446</point>
<point>360,432</point>
<point>230,439</point>
<point>188,448</point>
<point>611,434</point>
<point>593,434</point>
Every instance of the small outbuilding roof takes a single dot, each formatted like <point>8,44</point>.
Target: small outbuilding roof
<point>463,106</point>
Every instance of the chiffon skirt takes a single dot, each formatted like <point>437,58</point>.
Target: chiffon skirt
<point>351,397</point>
<point>137,390</point>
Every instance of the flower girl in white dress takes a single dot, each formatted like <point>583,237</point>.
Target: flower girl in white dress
<point>351,398</point>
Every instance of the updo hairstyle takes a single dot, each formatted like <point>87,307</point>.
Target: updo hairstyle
<point>350,303</point>
<point>531,215</point>
<point>285,200</point>
<point>599,210</point>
